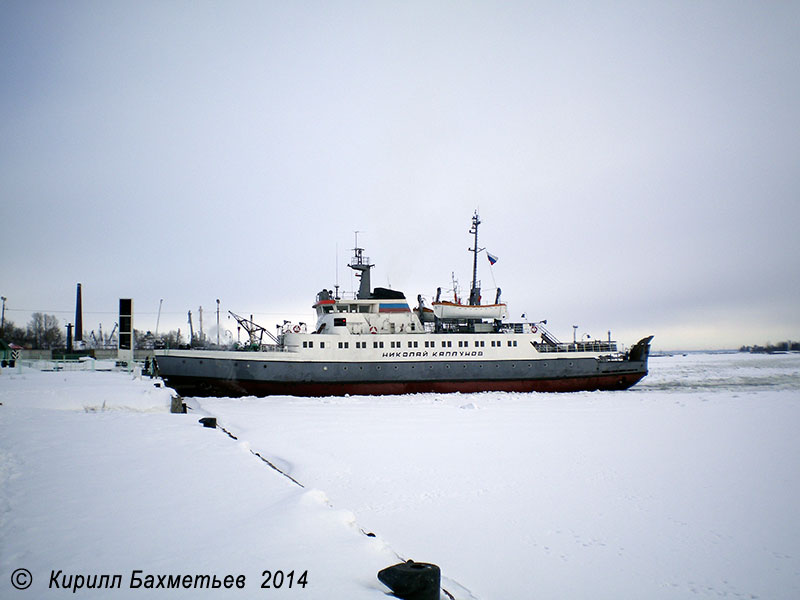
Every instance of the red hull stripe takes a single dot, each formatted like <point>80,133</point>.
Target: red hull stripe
<point>193,386</point>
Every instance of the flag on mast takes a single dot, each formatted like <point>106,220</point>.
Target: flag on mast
<point>492,258</point>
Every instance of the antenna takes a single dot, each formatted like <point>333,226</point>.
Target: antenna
<point>336,285</point>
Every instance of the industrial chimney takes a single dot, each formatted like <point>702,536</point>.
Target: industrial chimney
<point>78,317</point>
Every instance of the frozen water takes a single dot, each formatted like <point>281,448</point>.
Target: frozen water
<point>683,486</point>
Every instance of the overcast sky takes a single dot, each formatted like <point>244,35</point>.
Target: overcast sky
<point>636,165</point>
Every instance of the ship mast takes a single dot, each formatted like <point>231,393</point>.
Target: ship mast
<point>475,291</point>
<point>361,265</point>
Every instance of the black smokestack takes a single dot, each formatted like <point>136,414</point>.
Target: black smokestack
<point>78,317</point>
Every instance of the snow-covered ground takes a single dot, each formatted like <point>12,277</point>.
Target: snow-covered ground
<point>685,486</point>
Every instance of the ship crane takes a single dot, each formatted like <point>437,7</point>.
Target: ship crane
<point>111,335</point>
<point>252,329</point>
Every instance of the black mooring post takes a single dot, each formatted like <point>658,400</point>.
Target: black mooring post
<point>412,580</point>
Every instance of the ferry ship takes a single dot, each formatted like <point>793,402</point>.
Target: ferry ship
<point>375,343</point>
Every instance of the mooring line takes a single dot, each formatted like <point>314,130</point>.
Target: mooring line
<point>366,533</point>
<point>254,453</point>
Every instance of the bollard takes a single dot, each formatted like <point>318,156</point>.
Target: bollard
<point>412,580</point>
<point>175,406</point>
<point>209,422</point>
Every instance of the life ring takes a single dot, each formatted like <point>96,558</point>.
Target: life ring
<point>296,328</point>
<point>373,329</point>
<point>534,329</point>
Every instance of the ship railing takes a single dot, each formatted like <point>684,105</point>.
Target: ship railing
<point>359,259</point>
<point>587,346</point>
<point>273,348</point>
<point>339,295</point>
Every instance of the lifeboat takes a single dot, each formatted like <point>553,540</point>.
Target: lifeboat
<point>452,310</point>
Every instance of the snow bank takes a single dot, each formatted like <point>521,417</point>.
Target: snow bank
<point>96,477</point>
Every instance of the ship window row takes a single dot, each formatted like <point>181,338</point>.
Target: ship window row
<point>499,343</point>
<point>415,344</point>
<point>311,344</point>
<point>348,308</point>
<point>476,344</point>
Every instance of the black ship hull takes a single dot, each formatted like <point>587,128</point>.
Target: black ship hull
<point>249,374</point>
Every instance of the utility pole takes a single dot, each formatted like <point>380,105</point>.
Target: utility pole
<point>3,317</point>
<point>218,322</point>
<point>158,318</point>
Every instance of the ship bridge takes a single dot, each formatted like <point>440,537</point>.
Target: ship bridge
<point>384,311</point>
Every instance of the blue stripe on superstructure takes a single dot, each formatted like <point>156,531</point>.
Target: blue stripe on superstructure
<point>393,307</point>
